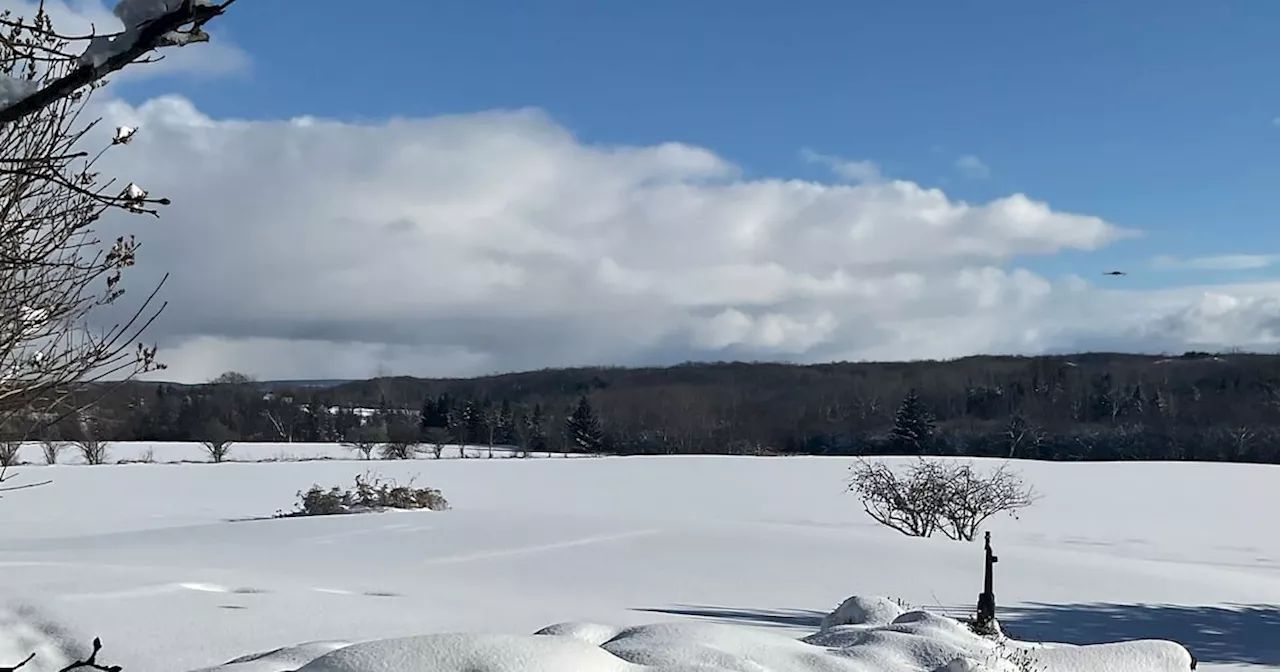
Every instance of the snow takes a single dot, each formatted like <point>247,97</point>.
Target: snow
<point>133,15</point>
<point>659,564</point>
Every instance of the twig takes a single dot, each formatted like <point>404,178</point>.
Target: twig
<point>90,663</point>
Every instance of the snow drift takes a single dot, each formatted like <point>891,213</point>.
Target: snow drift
<point>915,641</point>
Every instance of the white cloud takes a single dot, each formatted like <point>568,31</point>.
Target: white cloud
<point>498,241</point>
<point>849,171</point>
<point>1224,262</point>
<point>972,167</point>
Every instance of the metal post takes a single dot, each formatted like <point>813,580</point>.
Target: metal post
<point>986,620</point>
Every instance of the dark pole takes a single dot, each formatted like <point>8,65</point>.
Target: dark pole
<point>986,621</point>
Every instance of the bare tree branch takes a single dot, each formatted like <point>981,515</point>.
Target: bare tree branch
<point>178,27</point>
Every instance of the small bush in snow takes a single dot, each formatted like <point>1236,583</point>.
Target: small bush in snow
<point>938,496</point>
<point>9,453</point>
<point>51,451</point>
<point>218,450</point>
<point>92,450</point>
<point>370,493</point>
<point>147,457</point>
<point>365,439</point>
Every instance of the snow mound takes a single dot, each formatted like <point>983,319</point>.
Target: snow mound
<point>912,642</point>
<point>859,610</point>
<point>281,660</point>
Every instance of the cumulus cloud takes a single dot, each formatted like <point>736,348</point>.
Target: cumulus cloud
<point>499,241</point>
<point>972,167</point>
<point>845,169</point>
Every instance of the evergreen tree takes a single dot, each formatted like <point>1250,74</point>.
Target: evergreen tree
<point>913,425</point>
<point>583,428</point>
<point>506,430</point>
<point>472,423</point>
<point>535,429</point>
<point>435,412</point>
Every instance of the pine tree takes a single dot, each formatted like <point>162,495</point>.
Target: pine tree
<point>435,412</point>
<point>535,429</point>
<point>506,430</point>
<point>583,428</point>
<point>913,425</point>
<point>472,423</point>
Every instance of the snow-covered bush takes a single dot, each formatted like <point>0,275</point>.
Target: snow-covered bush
<point>934,495</point>
<point>370,493</point>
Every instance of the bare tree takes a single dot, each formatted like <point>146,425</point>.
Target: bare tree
<point>53,269</point>
<point>94,451</point>
<point>232,378</point>
<point>283,421</point>
<point>973,497</point>
<point>51,449</point>
<point>1021,435</point>
<point>366,438</point>
<point>910,504</point>
<point>403,439</point>
<point>9,451</point>
<point>216,439</point>
<point>438,438</point>
<point>492,418</point>
<point>937,496</point>
<point>86,436</point>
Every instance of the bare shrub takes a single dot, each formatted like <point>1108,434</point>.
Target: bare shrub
<point>937,496</point>
<point>437,438</point>
<point>218,450</point>
<point>974,497</point>
<point>403,439</point>
<point>51,450</point>
<point>366,438</point>
<point>148,456</point>
<point>93,451</point>
<point>216,439</point>
<point>370,493</point>
<point>910,504</point>
<point>9,453</point>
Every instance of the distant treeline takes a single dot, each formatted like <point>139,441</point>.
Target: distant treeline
<point>1094,406</point>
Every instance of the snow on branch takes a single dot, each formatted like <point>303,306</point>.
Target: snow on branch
<point>148,25</point>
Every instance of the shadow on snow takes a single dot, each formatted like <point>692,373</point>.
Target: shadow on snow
<point>792,618</point>
<point>1239,634</point>
<point>1244,633</point>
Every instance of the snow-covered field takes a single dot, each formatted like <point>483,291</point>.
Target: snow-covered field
<point>744,554</point>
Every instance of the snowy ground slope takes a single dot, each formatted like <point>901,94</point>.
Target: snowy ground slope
<point>141,555</point>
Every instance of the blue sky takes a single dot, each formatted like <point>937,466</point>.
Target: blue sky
<point>1155,115</point>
